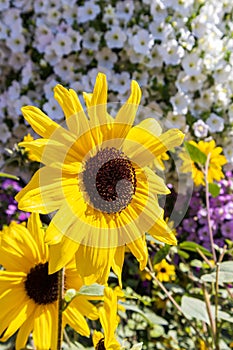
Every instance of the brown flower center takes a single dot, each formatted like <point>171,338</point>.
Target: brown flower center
<point>40,286</point>
<point>109,180</point>
<point>100,345</point>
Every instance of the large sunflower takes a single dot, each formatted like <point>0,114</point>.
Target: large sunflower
<point>97,179</point>
<point>28,294</point>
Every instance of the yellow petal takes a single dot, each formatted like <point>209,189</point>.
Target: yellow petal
<point>40,122</point>
<point>127,113</point>
<point>142,146</point>
<point>24,332</point>
<point>162,232</point>
<point>34,226</point>
<point>46,191</point>
<point>71,106</point>
<point>118,262</point>
<point>23,312</point>
<point>45,327</point>
<point>94,263</point>
<point>75,319</point>
<point>61,253</point>
<point>139,249</point>
<point>19,243</point>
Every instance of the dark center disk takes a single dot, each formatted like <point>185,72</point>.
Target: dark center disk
<point>100,345</point>
<point>40,286</point>
<point>109,180</point>
<point>163,270</point>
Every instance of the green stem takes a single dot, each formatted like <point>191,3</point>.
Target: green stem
<point>60,307</point>
<point>208,208</point>
<point>9,176</point>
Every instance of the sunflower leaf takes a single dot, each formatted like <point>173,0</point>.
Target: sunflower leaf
<point>195,154</point>
<point>225,274</point>
<point>214,189</point>
<point>92,290</point>
<point>161,254</point>
<point>192,247</point>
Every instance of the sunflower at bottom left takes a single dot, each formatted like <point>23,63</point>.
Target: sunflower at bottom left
<point>29,295</point>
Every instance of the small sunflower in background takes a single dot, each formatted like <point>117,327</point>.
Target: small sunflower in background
<point>165,272</point>
<point>31,156</point>
<point>97,181</point>
<point>28,294</point>
<point>216,161</point>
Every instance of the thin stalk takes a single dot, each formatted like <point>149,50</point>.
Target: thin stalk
<point>216,307</point>
<point>208,208</point>
<point>170,297</point>
<point>60,307</point>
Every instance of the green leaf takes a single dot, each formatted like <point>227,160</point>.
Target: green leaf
<point>194,308</point>
<point>157,331</point>
<point>192,247</point>
<point>214,189</point>
<point>195,154</point>
<point>161,254</point>
<point>182,254</point>
<point>150,317</point>
<point>92,290</point>
<point>9,176</point>
<point>225,274</point>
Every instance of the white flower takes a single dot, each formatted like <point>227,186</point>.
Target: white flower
<point>16,43</point>
<point>53,16</point>
<point>121,82</point>
<point>175,120</point>
<point>228,152</point>
<point>75,37</point>
<point>160,30</point>
<point>4,133</point>
<point>62,44</point>
<point>158,10</point>
<point>215,123</point>
<point>4,5</point>
<point>3,30</point>
<point>180,103</point>
<point>65,70</point>
<point>88,11</point>
<point>91,39</point>
<point>115,37</point>
<point>200,128</point>
<point>53,109</point>
<point>106,58</point>
<point>43,37</point>
<point>187,83</point>
<point>171,52</point>
<point>124,10</point>
<point>154,59</point>
<point>142,42</point>
<point>192,63</point>
<point>48,87</point>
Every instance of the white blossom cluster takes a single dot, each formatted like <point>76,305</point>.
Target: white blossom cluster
<point>180,52</point>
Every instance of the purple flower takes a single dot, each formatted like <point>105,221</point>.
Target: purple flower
<point>227,229</point>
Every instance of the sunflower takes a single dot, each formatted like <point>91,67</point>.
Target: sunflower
<point>165,272</point>
<point>97,181</point>
<point>109,321</point>
<point>28,294</point>
<point>216,162</point>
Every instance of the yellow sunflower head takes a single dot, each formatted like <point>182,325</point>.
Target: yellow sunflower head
<point>97,181</point>
<point>165,272</point>
<point>29,295</point>
<point>217,160</point>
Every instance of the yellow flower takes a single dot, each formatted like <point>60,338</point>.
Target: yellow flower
<point>216,162</point>
<point>109,321</point>
<point>28,294</point>
<point>165,272</point>
<point>158,161</point>
<point>98,181</point>
<point>30,154</point>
